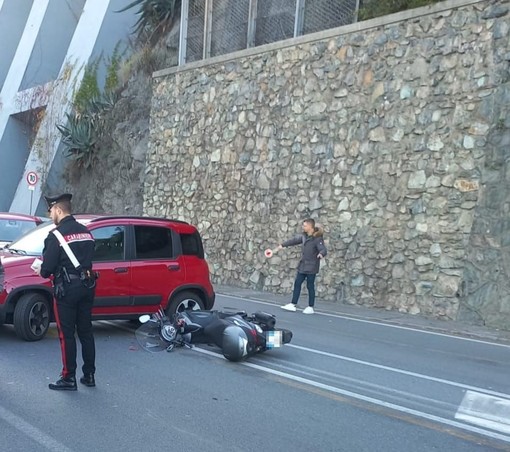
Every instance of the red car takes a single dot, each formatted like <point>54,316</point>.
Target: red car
<point>144,264</point>
<point>14,225</point>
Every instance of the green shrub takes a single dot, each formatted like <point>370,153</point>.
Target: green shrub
<point>112,70</point>
<point>86,126</point>
<point>376,8</point>
<point>88,87</point>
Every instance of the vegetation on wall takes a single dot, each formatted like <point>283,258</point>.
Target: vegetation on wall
<point>376,8</point>
<point>145,59</point>
<point>85,125</point>
<point>87,129</point>
<point>156,17</point>
<point>89,88</point>
<point>149,52</point>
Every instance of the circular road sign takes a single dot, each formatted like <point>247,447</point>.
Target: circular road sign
<point>32,178</point>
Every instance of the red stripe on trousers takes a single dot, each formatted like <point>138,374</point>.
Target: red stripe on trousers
<point>62,339</point>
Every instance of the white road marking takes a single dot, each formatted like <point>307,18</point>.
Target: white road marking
<point>32,432</point>
<point>400,371</point>
<point>368,364</point>
<point>478,407</point>
<point>486,411</point>
<point>117,325</point>
<point>372,400</point>
<point>381,322</point>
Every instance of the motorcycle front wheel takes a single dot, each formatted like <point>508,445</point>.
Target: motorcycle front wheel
<point>148,337</point>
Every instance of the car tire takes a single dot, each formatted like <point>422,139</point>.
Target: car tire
<point>32,317</point>
<point>185,301</point>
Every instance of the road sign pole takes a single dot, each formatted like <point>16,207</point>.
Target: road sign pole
<point>32,179</point>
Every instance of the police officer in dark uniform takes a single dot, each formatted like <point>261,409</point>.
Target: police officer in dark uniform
<point>74,287</point>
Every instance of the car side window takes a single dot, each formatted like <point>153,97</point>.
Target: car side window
<point>109,244</point>
<point>192,245</point>
<point>153,242</point>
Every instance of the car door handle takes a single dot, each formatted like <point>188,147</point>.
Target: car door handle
<point>120,270</point>
<point>174,266</point>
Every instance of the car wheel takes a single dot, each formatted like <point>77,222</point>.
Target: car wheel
<point>32,317</point>
<point>185,301</point>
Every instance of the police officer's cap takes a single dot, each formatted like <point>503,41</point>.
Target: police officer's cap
<point>52,200</point>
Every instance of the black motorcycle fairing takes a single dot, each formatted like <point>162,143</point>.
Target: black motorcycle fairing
<point>265,320</point>
<point>237,334</point>
<point>207,325</point>
<point>236,343</point>
<point>214,330</point>
<point>202,318</point>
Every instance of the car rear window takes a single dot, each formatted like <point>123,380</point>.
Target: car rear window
<point>192,245</point>
<point>153,242</point>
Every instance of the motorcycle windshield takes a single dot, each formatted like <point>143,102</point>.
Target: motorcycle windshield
<point>148,337</point>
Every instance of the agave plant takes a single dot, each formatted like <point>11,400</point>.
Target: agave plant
<point>156,16</point>
<point>101,103</point>
<point>86,127</point>
<point>80,139</point>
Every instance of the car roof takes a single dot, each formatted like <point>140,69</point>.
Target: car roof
<point>178,225</point>
<point>18,216</point>
<point>86,216</point>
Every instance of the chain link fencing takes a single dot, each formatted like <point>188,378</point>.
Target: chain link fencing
<point>195,38</point>
<point>324,14</point>
<point>229,26</point>
<point>233,28</point>
<point>275,20</point>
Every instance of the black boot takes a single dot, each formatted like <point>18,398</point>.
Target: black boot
<point>88,380</point>
<point>64,384</point>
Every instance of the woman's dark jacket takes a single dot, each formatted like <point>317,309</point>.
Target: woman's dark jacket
<point>312,245</point>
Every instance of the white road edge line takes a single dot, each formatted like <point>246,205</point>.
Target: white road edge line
<point>116,325</point>
<point>469,388</point>
<point>400,371</point>
<point>378,402</point>
<point>32,432</point>
<point>368,364</point>
<point>373,322</point>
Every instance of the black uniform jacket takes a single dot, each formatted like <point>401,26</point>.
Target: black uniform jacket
<point>80,241</point>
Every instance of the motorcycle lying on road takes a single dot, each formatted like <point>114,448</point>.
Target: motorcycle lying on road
<point>236,333</point>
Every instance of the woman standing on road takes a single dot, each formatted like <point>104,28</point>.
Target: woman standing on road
<point>313,250</point>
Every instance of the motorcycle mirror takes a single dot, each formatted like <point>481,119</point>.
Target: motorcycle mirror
<point>144,318</point>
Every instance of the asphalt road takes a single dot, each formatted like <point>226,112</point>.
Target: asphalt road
<point>344,384</point>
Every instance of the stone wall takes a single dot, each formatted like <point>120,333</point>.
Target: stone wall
<point>392,133</point>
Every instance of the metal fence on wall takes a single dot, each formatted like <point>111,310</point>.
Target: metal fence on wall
<point>216,27</point>
<point>323,14</point>
<point>194,25</point>
<point>229,29</point>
